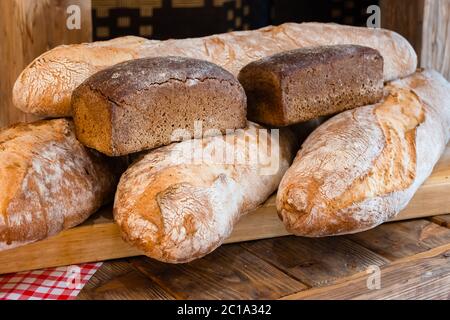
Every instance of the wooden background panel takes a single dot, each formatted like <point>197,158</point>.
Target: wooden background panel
<point>27,29</point>
<point>435,51</point>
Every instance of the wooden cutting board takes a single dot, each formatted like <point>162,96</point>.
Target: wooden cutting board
<point>99,239</point>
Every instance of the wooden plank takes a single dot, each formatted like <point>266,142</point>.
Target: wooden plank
<point>398,240</point>
<point>230,272</point>
<point>405,18</point>
<point>425,24</point>
<point>443,220</point>
<point>119,280</point>
<point>99,238</point>
<point>422,276</point>
<point>316,262</point>
<point>27,29</point>
<point>435,52</point>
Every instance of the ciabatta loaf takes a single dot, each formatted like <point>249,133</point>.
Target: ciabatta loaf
<point>46,85</point>
<point>179,202</point>
<point>48,181</point>
<point>362,167</point>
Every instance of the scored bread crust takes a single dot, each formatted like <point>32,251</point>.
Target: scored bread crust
<point>49,181</point>
<point>362,167</point>
<point>46,85</point>
<point>176,210</point>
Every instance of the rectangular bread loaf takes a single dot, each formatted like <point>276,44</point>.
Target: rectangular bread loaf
<point>46,85</point>
<point>303,84</point>
<point>49,181</point>
<point>150,102</point>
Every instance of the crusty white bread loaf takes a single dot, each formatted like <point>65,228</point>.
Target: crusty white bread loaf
<point>300,85</point>
<point>362,167</point>
<point>177,205</point>
<point>48,181</point>
<point>46,85</point>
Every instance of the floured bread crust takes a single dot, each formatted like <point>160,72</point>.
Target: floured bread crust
<point>49,181</point>
<point>46,85</point>
<point>176,210</point>
<point>362,167</point>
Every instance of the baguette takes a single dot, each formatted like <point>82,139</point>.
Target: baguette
<point>49,181</point>
<point>46,85</point>
<point>362,167</point>
<point>175,209</point>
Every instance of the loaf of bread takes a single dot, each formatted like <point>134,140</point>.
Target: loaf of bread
<point>179,202</point>
<point>146,103</point>
<point>362,167</point>
<point>49,181</point>
<point>46,85</point>
<point>303,84</point>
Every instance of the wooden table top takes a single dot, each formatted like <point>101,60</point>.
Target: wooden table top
<point>413,256</point>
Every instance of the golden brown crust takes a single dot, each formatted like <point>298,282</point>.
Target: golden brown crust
<point>50,182</point>
<point>46,85</point>
<point>362,166</point>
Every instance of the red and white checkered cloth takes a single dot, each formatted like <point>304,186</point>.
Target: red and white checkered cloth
<point>62,283</point>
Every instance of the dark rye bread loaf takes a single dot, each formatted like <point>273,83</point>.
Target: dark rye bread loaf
<point>49,181</point>
<point>138,105</point>
<point>300,85</point>
<point>363,166</point>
